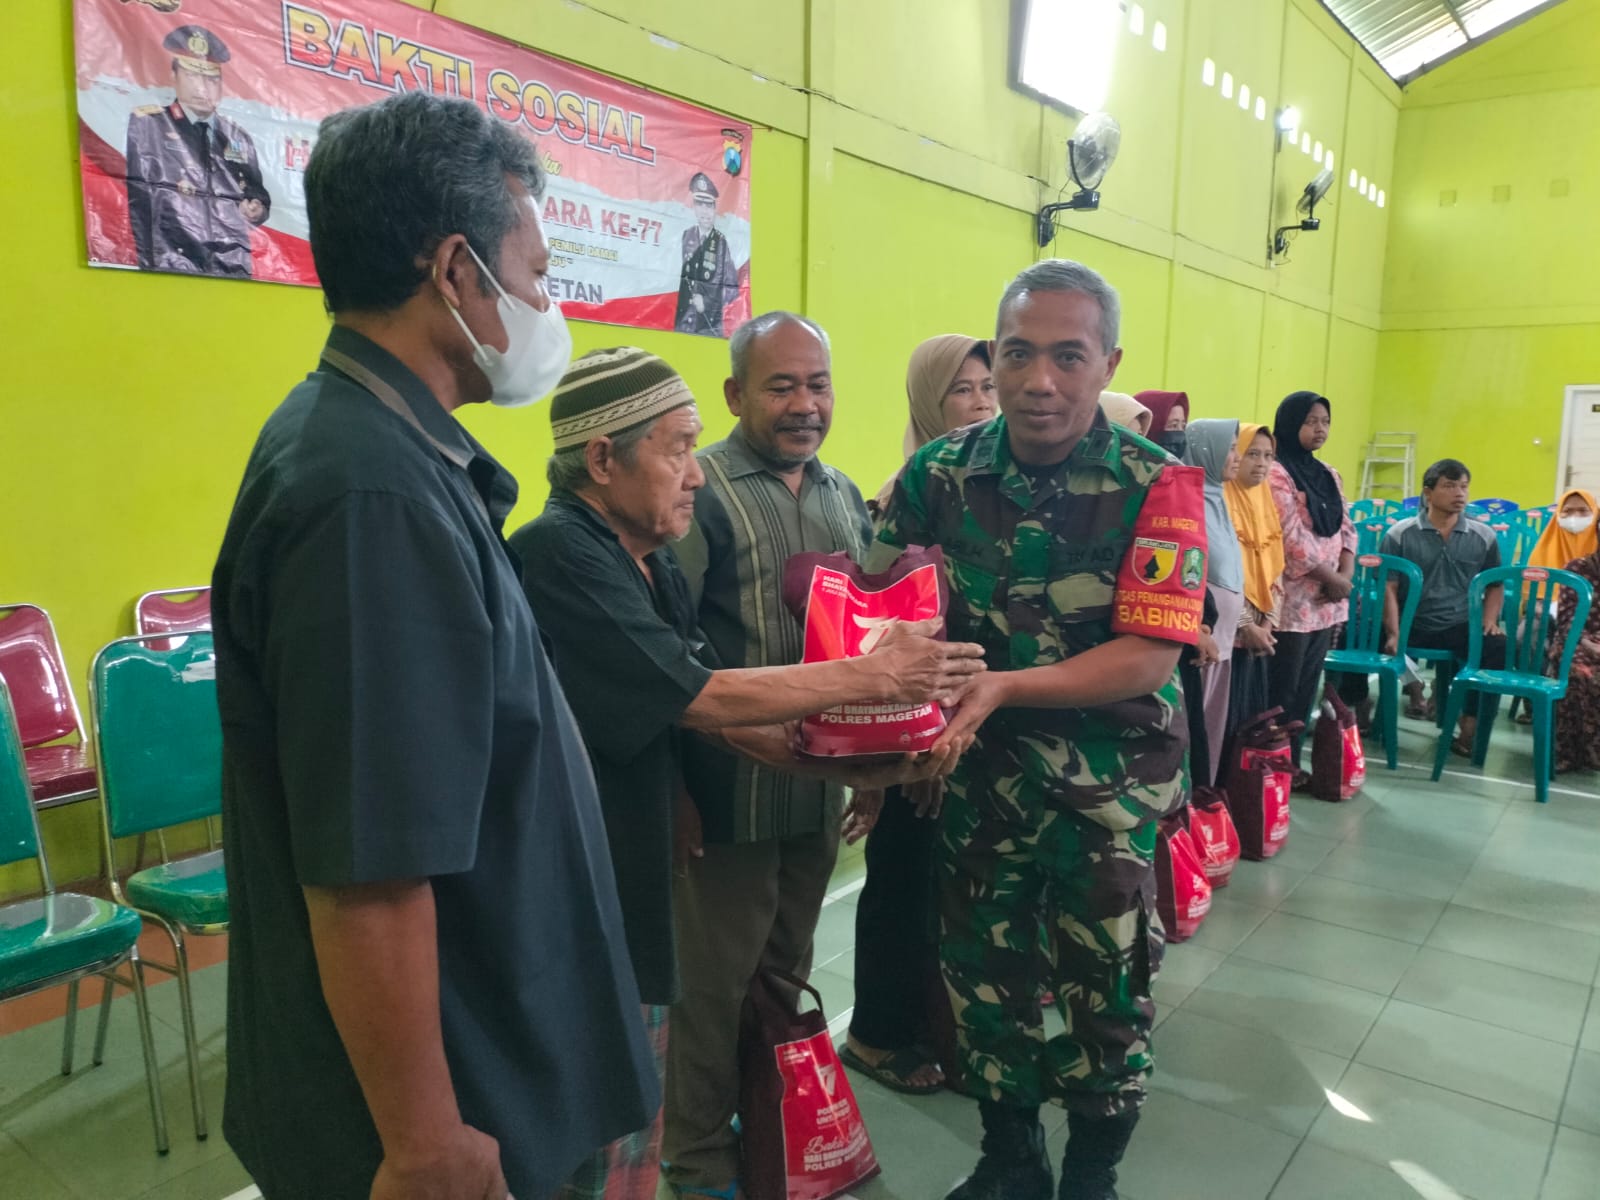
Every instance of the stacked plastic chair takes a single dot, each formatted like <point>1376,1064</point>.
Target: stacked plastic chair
<point>158,743</point>
<point>64,937</point>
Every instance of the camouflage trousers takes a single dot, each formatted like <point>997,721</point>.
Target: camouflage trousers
<point>1060,904</point>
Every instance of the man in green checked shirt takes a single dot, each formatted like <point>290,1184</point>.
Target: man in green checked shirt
<point>1049,828</point>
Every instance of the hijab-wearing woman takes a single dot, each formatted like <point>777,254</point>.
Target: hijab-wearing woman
<point>948,386</point>
<point>893,1030</point>
<point>1319,549</point>
<point>1570,535</point>
<point>1255,519</point>
<point>1578,714</point>
<point>1122,409</point>
<point>1169,417</point>
<point>1212,448</point>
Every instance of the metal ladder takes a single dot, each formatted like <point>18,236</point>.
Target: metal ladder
<point>1388,450</point>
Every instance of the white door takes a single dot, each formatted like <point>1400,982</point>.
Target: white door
<point>1580,441</point>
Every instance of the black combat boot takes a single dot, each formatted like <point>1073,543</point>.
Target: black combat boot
<point>1013,1166</point>
<point>1095,1146</point>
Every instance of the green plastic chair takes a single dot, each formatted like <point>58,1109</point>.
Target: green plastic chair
<point>1527,674</point>
<point>64,937</point>
<point>1369,537</point>
<point>158,746</point>
<point>1363,652</point>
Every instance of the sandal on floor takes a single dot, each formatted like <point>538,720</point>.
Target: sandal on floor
<point>1302,782</point>
<point>1461,746</point>
<point>1418,712</point>
<point>894,1070</point>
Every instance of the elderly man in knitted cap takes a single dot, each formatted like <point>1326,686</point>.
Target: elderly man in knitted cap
<point>607,592</point>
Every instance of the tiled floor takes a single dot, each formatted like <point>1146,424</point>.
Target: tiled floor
<point>1400,1005</point>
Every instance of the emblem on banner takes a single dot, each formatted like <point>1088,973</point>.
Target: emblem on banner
<point>1194,568</point>
<point>732,151</point>
<point>1153,560</point>
<point>162,6</point>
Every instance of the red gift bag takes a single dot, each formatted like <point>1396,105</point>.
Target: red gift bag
<point>1258,771</point>
<point>1258,800</point>
<point>802,1136</point>
<point>848,613</point>
<point>1215,839</point>
<point>1183,893</point>
<point>1338,760</point>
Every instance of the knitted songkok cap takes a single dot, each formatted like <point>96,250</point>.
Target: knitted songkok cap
<point>607,392</point>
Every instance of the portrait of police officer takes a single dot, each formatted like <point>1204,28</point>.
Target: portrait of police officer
<point>709,282</point>
<point>194,182</point>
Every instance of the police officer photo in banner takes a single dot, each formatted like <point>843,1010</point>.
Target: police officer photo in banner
<point>196,120</point>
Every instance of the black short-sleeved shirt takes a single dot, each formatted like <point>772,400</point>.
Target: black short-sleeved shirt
<point>388,713</point>
<point>1449,565</point>
<point>628,656</point>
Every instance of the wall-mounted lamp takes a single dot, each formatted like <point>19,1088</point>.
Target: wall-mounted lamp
<point>1286,123</point>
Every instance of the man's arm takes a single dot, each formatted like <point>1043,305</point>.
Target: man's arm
<point>1125,667</point>
<point>377,955</point>
<point>1391,615</point>
<point>141,206</point>
<point>1494,601</point>
<point>254,186</point>
<point>910,670</point>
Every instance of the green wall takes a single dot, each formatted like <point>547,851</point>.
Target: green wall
<point>895,175</point>
<point>1491,306</point>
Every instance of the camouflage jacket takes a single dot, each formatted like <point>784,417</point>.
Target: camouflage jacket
<point>1033,559</point>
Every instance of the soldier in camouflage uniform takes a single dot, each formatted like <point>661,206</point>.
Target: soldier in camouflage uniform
<point>1049,832</point>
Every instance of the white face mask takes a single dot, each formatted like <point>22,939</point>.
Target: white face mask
<point>1575,524</point>
<point>538,348</point>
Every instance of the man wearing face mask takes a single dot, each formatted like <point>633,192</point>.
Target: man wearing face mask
<point>430,992</point>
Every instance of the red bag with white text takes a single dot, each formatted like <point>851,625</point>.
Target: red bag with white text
<point>1338,760</point>
<point>1258,800</point>
<point>1161,585</point>
<point>1183,893</point>
<point>1215,839</point>
<point>801,1132</point>
<point>848,613</point>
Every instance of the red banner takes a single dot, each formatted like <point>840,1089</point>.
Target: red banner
<point>197,119</point>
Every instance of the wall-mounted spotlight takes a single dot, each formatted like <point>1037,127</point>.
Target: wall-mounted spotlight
<point>1286,123</point>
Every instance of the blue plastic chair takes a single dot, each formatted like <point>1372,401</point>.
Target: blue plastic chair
<point>1495,507</point>
<point>64,937</point>
<point>1527,675</point>
<point>158,746</point>
<point>1363,653</point>
<point>1410,505</point>
<point>1363,510</point>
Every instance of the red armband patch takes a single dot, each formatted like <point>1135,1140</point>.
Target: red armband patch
<point>1162,585</point>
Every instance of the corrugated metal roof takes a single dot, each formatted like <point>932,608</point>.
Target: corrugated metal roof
<point>1408,37</point>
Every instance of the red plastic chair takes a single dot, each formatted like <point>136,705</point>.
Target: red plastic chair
<point>174,610</point>
<point>35,671</point>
